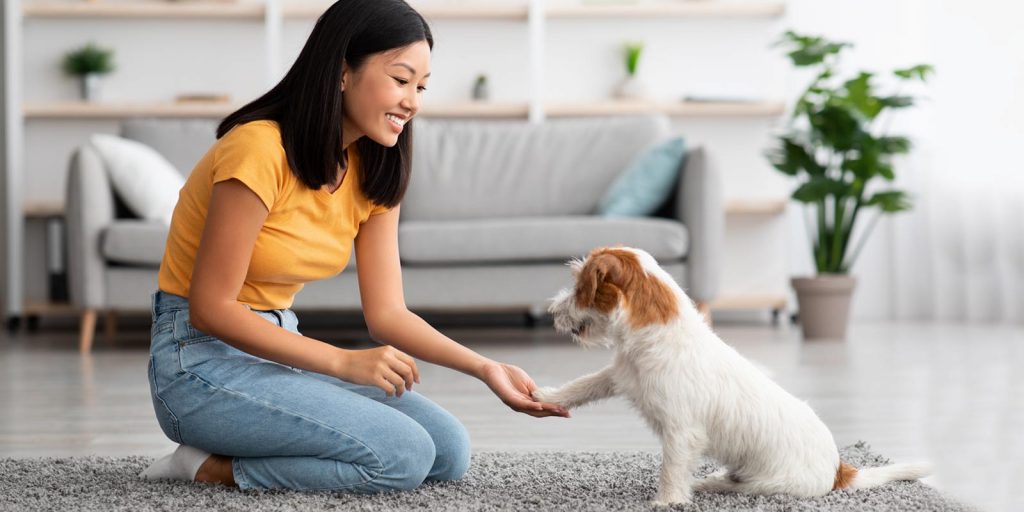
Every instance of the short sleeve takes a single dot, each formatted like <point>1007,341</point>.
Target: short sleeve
<point>253,154</point>
<point>378,209</point>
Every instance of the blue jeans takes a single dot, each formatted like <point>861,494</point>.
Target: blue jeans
<point>289,428</point>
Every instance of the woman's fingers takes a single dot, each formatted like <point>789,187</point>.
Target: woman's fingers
<point>407,359</point>
<point>404,371</point>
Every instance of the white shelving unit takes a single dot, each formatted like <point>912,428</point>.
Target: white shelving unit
<point>273,14</point>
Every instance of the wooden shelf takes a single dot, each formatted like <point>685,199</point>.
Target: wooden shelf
<point>748,302</point>
<point>476,109</point>
<point>42,210</point>
<point>756,206</point>
<point>670,10</point>
<point>678,108</point>
<point>483,11</point>
<point>85,110</point>
<point>239,10</point>
<point>246,10</point>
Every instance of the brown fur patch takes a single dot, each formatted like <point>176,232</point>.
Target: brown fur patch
<point>845,474</point>
<point>609,274</point>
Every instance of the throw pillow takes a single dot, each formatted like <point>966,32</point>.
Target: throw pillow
<point>646,183</point>
<point>146,182</point>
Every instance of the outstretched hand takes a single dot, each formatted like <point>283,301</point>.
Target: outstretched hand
<point>515,388</point>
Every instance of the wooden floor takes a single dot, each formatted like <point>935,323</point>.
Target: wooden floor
<point>951,394</point>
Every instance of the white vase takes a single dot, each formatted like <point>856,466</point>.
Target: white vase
<point>631,88</point>
<point>90,86</point>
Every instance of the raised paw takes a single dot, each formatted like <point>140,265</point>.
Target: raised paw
<point>546,394</point>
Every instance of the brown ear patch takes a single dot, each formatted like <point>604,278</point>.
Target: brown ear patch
<point>845,474</point>
<point>609,274</point>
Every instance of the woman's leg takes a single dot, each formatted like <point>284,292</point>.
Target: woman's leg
<point>451,441</point>
<point>283,428</point>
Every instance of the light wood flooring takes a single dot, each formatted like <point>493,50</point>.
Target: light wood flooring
<point>951,394</point>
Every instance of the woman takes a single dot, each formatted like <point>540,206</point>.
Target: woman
<point>319,162</point>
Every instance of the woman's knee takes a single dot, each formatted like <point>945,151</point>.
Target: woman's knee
<point>453,452</point>
<point>406,459</point>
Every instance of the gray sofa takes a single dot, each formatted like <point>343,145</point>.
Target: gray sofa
<point>494,210</point>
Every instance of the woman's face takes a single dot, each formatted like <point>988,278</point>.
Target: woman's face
<point>384,94</point>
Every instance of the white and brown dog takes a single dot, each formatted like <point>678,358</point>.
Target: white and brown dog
<point>699,395</point>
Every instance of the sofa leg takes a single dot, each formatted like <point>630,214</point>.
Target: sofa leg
<point>704,309</point>
<point>87,329</point>
<point>110,326</point>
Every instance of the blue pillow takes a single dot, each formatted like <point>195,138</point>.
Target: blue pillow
<point>646,183</point>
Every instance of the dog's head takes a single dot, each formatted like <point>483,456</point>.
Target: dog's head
<point>615,288</point>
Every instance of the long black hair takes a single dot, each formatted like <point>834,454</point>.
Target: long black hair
<point>307,102</point>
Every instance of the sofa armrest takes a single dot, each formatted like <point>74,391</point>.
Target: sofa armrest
<point>89,209</point>
<point>700,208</point>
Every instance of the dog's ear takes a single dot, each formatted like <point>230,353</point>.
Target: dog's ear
<point>611,274</point>
<point>597,282</point>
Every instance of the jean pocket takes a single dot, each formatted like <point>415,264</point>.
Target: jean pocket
<point>185,333</point>
<point>164,417</point>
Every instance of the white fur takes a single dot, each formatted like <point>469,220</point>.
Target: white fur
<point>701,397</point>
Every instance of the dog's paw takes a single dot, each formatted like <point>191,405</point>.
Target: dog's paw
<point>546,394</point>
<point>670,499</point>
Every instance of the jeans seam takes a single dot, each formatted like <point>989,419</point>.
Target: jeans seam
<point>156,394</point>
<point>374,474</point>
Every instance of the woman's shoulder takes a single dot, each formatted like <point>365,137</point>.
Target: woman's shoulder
<point>262,131</point>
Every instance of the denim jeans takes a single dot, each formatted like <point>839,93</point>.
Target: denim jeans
<point>290,428</point>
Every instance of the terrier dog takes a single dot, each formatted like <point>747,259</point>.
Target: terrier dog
<point>698,394</point>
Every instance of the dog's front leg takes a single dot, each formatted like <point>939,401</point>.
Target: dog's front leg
<point>580,391</point>
<point>679,454</point>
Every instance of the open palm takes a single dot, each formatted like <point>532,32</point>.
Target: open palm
<point>514,387</point>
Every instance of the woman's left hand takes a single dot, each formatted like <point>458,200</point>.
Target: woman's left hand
<point>515,388</point>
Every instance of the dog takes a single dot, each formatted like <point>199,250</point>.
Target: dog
<point>698,394</point>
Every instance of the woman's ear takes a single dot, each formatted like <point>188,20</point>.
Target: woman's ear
<point>344,75</point>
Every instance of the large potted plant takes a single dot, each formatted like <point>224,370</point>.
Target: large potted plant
<point>833,145</point>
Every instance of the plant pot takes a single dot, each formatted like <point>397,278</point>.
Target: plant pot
<point>824,302</point>
<point>90,86</point>
<point>631,88</point>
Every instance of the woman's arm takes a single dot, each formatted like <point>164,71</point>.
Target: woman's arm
<point>390,321</point>
<point>233,222</point>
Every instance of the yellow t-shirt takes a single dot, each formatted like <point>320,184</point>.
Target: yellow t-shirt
<point>308,233</point>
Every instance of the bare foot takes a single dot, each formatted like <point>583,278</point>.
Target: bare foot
<point>216,470</point>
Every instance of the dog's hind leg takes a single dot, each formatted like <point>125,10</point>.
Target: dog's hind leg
<point>719,481</point>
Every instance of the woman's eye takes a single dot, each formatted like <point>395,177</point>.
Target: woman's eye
<point>400,81</point>
<point>421,88</point>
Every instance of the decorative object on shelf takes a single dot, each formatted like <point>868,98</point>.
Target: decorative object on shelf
<point>632,88</point>
<point>202,98</point>
<point>89,63</point>
<point>834,146</point>
<point>481,92</point>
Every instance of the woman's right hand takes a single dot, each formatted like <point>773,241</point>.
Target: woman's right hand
<point>385,367</point>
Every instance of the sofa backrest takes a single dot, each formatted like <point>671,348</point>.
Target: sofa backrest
<point>479,169</point>
<point>475,169</point>
<point>183,142</point>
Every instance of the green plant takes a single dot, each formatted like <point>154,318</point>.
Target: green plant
<point>89,59</point>
<point>834,147</point>
<point>633,51</point>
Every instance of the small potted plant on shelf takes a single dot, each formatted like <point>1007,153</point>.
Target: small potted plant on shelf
<point>631,87</point>
<point>89,63</point>
<point>835,148</point>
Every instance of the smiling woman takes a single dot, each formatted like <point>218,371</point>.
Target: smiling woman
<point>299,176</point>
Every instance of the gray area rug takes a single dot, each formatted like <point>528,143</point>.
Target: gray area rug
<point>496,481</point>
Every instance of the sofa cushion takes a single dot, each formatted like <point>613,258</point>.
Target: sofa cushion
<point>535,239</point>
<point>486,169</point>
<point>134,242</point>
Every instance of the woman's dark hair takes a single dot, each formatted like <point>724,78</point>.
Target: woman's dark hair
<point>307,103</point>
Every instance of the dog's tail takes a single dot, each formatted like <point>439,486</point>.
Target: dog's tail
<point>850,477</point>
